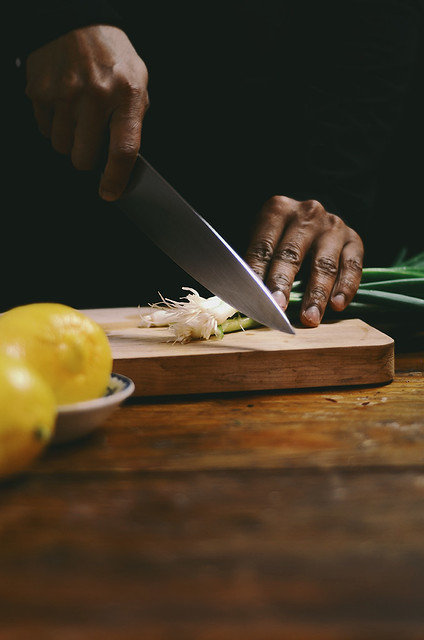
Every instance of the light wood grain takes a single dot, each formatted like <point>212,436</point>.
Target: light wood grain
<point>347,352</point>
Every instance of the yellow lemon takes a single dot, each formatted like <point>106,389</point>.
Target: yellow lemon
<point>27,415</point>
<point>66,347</point>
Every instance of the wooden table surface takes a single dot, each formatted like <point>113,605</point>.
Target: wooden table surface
<point>268,515</point>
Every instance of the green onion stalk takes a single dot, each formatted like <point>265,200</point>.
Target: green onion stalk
<point>386,295</point>
<point>394,293</point>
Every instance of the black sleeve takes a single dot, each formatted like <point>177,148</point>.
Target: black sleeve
<point>33,24</point>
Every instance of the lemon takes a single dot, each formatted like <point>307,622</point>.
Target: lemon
<point>66,347</point>
<point>27,415</point>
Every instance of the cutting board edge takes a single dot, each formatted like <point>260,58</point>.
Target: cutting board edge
<point>340,353</point>
<point>160,377</point>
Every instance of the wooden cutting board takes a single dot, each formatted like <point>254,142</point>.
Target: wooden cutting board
<point>345,352</point>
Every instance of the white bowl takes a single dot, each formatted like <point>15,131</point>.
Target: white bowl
<point>77,420</point>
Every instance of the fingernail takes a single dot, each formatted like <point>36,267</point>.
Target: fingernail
<point>312,315</point>
<point>339,301</point>
<point>280,299</point>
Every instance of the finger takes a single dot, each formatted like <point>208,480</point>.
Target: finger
<point>125,137</point>
<point>349,275</point>
<point>63,127</point>
<point>89,136</point>
<point>43,114</point>
<point>324,271</point>
<point>286,262</point>
<point>271,222</point>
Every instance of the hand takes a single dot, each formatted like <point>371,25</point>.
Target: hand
<point>89,93</point>
<point>285,232</point>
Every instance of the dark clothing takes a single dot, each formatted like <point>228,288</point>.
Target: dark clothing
<point>39,22</point>
<point>248,100</point>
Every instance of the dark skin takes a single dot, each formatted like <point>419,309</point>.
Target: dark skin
<point>285,233</point>
<point>90,85</point>
<point>85,86</point>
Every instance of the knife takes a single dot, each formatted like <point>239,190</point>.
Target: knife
<point>192,243</point>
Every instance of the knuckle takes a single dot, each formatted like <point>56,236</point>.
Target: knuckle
<point>126,132</point>
<point>318,296</point>
<point>260,252</point>
<point>280,281</point>
<point>70,87</point>
<point>350,276</point>
<point>335,222</point>
<point>120,90</point>
<point>348,285</point>
<point>289,253</point>
<point>326,265</point>
<point>311,209</point>
<point>276,206</point>
<point>354,265</point>
<point>131,91</point>
<point>125,153</point>
<point>274,202</point>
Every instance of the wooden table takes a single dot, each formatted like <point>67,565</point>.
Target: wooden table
<point>269,515</point>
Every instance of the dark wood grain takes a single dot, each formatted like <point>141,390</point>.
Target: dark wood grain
<point>270,515</point>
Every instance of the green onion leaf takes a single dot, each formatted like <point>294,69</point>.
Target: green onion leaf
<point>389,299</point>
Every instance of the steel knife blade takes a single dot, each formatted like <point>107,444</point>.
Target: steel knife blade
<point>192,243</point>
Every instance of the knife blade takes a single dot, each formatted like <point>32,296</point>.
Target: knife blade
<point>193,244</point>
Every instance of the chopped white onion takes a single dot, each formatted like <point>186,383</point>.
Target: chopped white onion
<point>192,317</point>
